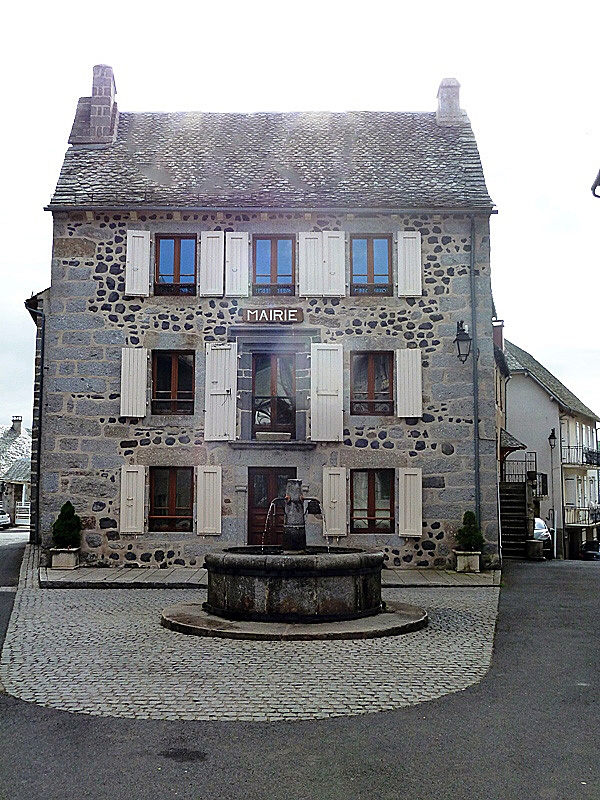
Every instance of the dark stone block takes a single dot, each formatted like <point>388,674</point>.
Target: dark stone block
<point>428,545</point>
<point>361,443</point>
<point>130,556</point>
<point>159,555</point>
<point>447,449</point>
<point>422,563</point>
<point>170,553</point>
<point>145,557</point>
<point>98,506</point>
<point>112,536</point>
<point>107,522</point>
<point>434,482</point>
<point>114,556</point>
<point>180,562</point>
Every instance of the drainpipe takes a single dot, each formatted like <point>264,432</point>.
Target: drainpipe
<point>35,535</point>
<point>475,376</point>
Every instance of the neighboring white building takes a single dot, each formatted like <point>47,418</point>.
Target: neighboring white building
<point>540,410</point>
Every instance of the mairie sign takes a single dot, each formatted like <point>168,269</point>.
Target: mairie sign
<point>269,315</point>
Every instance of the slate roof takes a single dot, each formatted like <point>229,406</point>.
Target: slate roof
<point>13,446</point>
<point>520,361</point>
<point>19,471</point>
<point>358,159</point>
<point>510,442</point>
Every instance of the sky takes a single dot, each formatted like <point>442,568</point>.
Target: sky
<point>529,83</point>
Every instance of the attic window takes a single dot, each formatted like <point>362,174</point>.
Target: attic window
<point>175,265</point>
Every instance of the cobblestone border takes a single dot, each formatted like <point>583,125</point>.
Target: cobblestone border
<point>114,659</point>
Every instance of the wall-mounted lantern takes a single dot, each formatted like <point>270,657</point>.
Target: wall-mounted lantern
<point>463,341</point>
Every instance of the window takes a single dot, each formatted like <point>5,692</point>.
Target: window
<point>273,394</point>
<point>372,501</point>
<point>371,383</point>
<point>274,265</point>
<point>172,382</point>
<point>175,265</point>
<point>371,265</point>
<point>171,499</point>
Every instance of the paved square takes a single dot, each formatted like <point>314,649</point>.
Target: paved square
<point>104,652</point>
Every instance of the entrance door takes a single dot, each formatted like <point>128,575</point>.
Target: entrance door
<point>264,485</point>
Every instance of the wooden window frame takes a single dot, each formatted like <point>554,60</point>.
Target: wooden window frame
<point>371,288</point>
<point>371,518</point>
<point>274,427</point>
<point>178,405</point>
<point>175,288</point>
<point>372,406</point>
<point>274,288</point>
<point>172,499</point>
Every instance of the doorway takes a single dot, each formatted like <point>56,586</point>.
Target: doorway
<point>264,485</point>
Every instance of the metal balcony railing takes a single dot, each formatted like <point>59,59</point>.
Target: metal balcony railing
<point>577,454</point>
<point>515,470</point>
<point>575,515</point>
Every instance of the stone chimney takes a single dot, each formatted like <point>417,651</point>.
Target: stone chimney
<point>498,332</point>
<point>16,425</point>
<point>449,111</point>
<point>97,117</point>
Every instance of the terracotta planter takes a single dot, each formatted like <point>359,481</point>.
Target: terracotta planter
<point>467,560</point>
<point>65,557</point>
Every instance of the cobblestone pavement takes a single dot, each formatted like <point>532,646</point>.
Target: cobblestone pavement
<point>103,652</point>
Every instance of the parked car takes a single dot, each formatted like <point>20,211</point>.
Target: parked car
<point>543,533</point>
<point>590,551</point>
<point>4,519</point>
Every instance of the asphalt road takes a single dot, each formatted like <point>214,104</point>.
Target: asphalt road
<point>529,730</point>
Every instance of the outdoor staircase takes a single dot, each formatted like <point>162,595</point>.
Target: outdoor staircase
<point>513,519</point>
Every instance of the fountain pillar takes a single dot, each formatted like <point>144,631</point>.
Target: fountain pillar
<point>294,528</point>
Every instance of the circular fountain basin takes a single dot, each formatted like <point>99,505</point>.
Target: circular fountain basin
<point>319,584</point>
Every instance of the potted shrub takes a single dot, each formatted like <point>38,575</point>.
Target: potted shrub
<point>66,538</point>
<point>470,543</point>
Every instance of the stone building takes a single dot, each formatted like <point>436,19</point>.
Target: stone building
<point>241,298</point>
<point>15,469</point>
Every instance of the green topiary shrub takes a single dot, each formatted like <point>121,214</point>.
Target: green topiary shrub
<point>66,529</point>
<point>469,537</point>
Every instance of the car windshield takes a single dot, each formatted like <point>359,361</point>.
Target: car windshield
<point>540,524</point>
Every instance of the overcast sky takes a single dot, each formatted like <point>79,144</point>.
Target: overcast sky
<point>529,78</point>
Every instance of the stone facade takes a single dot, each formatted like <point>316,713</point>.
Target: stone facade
<point>89,319</point>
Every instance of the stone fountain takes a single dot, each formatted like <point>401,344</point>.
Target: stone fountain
<point>294,591</point>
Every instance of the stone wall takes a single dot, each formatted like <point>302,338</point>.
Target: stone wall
<point>85,442</point>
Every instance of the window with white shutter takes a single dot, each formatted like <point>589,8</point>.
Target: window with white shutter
<point>334,501</point>
<point>134,379</point>
<point>133,482</point>
<point>410,269</point>
<point>409,383</point>
<point>220,392</point>
<point>137,263</point>
<point>208,501</point>
<point>322,264</point>
<point>327,392</point>
<point>212,258</point>
<point>410,501</point>
<point>236,264</point>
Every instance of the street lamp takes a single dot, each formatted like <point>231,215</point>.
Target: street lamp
<point>463,341</point>
<point>552,443</point>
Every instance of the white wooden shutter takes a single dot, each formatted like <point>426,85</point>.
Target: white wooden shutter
<point>133,481</point>
<point>409,383</point>
<point>220,392</point>
<point>134,377</point>
<point>410,501</point>
<point>236,264</point>
<point>310,264</point>
<point>409,264</point>
<point>327,392</point>
<point>208,501</point>
<point>334,263</point>
<point>334,501</point>
<point>212,256</point>
<point>137,263</point>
